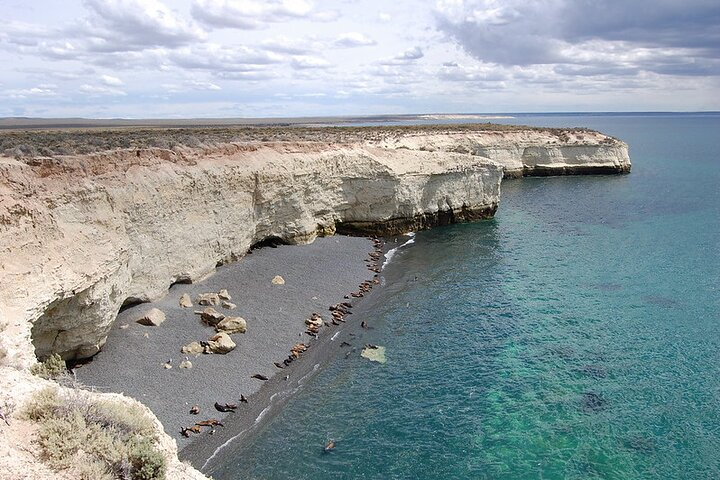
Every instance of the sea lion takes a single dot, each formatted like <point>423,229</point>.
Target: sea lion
<point>243,399</point>
<point>185,432</point>
<point>364,325</point>
<point>279,365</point>
<point>212,422</point>
<point>259,377</point>
<point>345,344</point>
<point>370,346</point>
<point>195,410</point>
<point>228,407</point>
<point>329,445</point>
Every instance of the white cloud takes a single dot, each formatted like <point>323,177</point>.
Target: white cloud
<point>127,25</point>
<point>353,39</point>
<point>384,17</point>
<point>248,14</point>
<point>100,90</point>
<point>111,81</point>
<point>302,62</point>
<point>406,57</point>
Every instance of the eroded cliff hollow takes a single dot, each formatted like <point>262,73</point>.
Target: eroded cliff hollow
<point>82,235</point>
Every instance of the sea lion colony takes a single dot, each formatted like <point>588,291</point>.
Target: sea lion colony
<point>313,324</point>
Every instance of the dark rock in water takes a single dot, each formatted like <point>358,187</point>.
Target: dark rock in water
<point>594,370</point>
<point>593,402</point>
<point>561,351</point>
<point>639,443</point>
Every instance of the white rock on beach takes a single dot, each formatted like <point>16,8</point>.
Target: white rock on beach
<point>193,348</point>
<point>210,316</point>
<point>152,318</point>
<point>221,343</point>
<point>206,299</point>
<point>232,325</point>
<point>278,280</point>
<point>229,305</point>
<point>186,301</point>
<point>224,295</point>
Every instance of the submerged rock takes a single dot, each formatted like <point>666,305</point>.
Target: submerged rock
<point>152,318</point>
<point>593,402</point>
<point>232,325</point>
<point>374,353</point>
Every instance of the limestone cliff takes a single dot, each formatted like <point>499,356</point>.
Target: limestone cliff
<point>82,235</point>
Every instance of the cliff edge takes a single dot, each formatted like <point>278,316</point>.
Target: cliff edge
<point>82,235</point>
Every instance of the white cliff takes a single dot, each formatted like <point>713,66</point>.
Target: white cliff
<point>80,236</point>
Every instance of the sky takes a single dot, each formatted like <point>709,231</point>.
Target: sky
<point>282,58</point>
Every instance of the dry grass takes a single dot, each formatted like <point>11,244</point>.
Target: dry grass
<point>95,439</point>
<point>71,141</point>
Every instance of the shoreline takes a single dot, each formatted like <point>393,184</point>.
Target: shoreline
<point>133,361</point>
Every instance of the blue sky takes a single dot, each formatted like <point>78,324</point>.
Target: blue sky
<point>274,58</point>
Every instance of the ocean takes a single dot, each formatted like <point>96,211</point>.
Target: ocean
<point>574,336</point>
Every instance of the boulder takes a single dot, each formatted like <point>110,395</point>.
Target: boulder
<point>232,325</point>
<point>210,316</point>
<point>224,295</point>
<point>229,305</point>
<point>193,348</point>
<point>186,364</point>
<point>206,299</point>
<point>186,301</point>
<point>221,343</point>
<point>152,318</point>
<point>278,280</point>
<point>374,353</point>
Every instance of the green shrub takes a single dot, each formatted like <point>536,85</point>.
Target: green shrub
<point>52,368</point>
<point>96,439</point>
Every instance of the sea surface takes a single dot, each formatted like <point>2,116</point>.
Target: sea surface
<point>574,336</point>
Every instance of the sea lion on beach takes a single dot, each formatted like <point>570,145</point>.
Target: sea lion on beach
<point>228,407</point>
<point>243,399</point>
<point>212,422</point>
<point>259,377</point>
<point>279,365</point>
<point>195,409</point>
<point>364,325</point>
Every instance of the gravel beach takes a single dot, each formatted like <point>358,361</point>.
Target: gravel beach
<point>136,358</point>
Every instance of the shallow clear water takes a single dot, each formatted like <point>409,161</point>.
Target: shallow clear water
<point>576,335</point>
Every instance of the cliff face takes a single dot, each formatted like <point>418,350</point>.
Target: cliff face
<point>528,152</point>
<point>83,235</point>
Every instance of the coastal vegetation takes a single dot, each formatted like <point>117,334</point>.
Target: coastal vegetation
<point>32,143</point>
<point>95,439</point>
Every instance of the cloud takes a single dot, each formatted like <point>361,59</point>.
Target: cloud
<point>100,90</point>
<point>353,39</point>
<point>111,81</point>
<point>131,25</point>
<point>660,36</point>
<point>248,14</point>
<point>220,58</point>
<point>43,90</point>
<point>404,58</point>
<point>303,62</point>
<point>289,46</point>
<point>384,17</point>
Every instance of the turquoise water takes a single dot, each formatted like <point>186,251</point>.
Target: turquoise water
<point>576,335</point>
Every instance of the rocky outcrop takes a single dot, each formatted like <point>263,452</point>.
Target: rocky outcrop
<point>531,152</point>
<point>82,236</point>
